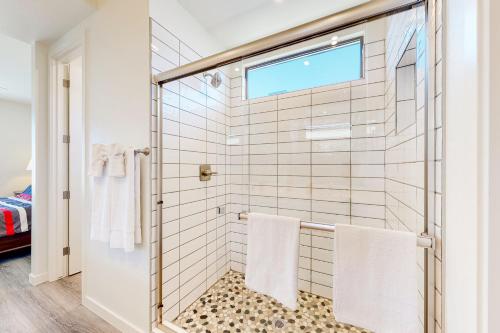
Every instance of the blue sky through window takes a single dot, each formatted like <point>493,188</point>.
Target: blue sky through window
<point>330,66</point>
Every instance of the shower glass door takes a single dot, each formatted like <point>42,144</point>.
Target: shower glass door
<point>331,130</point>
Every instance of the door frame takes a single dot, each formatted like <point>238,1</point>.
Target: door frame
<point>63,53</point>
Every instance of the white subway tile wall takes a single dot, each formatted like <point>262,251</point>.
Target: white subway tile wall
<point>196,119</point>
<point>317,154</point>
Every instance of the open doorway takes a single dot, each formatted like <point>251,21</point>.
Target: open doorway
<point>16,165</point>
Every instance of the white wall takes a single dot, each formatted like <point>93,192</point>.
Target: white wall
<point>172,16</point>
<point>15,137</point>
<point>492,70</point>
<point>275,17</point>
<point>39,250</point>
<point>463,156</point>
<point>117,97</point>
<point>15,66</point>
<point>116,285</point>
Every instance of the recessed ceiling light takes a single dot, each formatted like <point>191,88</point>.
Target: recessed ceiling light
<point>279,1</point>
<point>306,63</point>
<point>237,69</point>
<point>334,40</point>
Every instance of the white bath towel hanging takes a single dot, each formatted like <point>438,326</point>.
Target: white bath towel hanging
<point>273,256</point>
<point>375,279</point>
<point>123,204</point>
<point>115,212</point>
<point>99,219</point>
<point>137,199</point>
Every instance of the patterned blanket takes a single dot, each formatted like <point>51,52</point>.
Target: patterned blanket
<point>15,216</point>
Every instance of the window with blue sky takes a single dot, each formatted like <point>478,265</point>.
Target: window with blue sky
<point>320,67</point>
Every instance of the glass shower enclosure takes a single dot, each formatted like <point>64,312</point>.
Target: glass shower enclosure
<point>332,129</point>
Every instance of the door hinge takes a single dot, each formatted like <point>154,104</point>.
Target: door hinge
<point>65,83</point>
<point>66,195</point>
<point>66,251</point>
<point>66,138</point>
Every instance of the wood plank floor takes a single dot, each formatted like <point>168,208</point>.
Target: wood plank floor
<point>48,308</point>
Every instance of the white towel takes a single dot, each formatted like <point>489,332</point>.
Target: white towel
<point>116,160</point>
<point>137,199</point>
<point>99,220</point>
<point>273,256</point>
<point>375,279</point>
<point>122,206</point>
<point>98,160</point>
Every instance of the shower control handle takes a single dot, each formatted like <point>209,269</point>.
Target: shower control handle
<point>209,173</point>
<point>206,172</point>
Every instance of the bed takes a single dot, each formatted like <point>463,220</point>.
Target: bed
<point>15,222</point>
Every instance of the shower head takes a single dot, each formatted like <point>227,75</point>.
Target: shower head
<point>215,79</point>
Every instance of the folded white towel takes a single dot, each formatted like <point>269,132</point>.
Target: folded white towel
<point>98,160</point>
<point>273,256</point>
<point>116,161</point>
<point>375,279</point>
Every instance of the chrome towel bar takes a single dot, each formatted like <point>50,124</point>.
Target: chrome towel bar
<point>146,151</point>
<point>424,240</point>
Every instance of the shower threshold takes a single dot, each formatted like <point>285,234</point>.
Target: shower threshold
<point>229,307</point>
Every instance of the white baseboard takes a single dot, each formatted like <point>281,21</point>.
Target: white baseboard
<point>36,279</point>
<point>114,319</point>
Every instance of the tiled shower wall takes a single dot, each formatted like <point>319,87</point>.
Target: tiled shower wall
<point>195,246</point>
<point>317,154</point>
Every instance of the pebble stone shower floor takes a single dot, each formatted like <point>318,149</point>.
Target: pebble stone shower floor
<point>229,307</point>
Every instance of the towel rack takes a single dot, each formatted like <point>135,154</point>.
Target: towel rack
<point>146,151</point>
<point>424,240</point>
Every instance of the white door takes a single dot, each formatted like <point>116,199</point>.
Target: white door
<point>63,157</point>
<point>76,165</point>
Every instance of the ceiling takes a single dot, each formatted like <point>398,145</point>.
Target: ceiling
<point>21,23</point>
<point>204,11</point>
<point>235,22</point>
<point>42,20</point>
<point>15,70</point>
